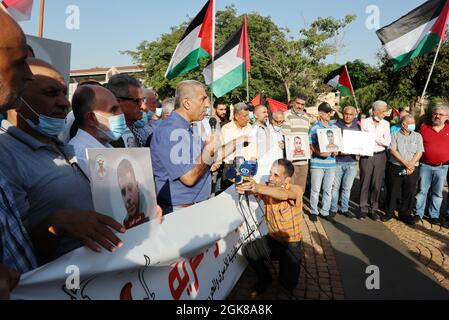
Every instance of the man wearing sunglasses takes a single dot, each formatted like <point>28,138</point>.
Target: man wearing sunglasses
<point>129,94</point>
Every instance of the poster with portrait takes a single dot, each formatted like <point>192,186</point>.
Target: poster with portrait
<point>123,184</point>
<point>358,142</point>
<point>330,140</point>
<point>297,147</point>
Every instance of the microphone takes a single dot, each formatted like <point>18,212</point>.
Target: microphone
<point>213,124</point>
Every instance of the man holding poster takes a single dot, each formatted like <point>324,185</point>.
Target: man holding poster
<point>346,169</point>
<point>322,166</point>
<point>372,169</point>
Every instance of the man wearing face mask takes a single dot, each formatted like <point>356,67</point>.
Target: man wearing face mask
<point>52,194</point>
<point>150,105</point>
<point>406,150</point>
<point>372,169</point>
<point>99,118</point>
<point>277,122</point>
<point>129,94</point>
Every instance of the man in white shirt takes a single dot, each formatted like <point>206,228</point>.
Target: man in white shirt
<point>372,169</point>
<point>266,138</point>
<point>99,119</point>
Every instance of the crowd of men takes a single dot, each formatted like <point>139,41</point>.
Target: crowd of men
<point>46,205</point>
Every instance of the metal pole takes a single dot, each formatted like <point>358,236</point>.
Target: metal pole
<point>213,56</point>
<point>350,81</point>
<point>431,71</point>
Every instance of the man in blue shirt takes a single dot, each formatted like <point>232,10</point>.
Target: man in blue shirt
<point>181,159</point>
<point>179,155</point>
<point>322,166</point>
<point>346,169</point>
<point>16,251</point>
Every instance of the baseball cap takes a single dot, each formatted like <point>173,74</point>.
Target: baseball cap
<point>325,107</point>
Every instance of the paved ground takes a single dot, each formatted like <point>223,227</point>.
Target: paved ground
<point>429,243</point>
<point>413,261</point>
<point>319,278</point>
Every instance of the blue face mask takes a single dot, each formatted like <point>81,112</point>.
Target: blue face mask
<point>252,117</point>
<point>117,126</point>
<point>411,127</point>
<point>149,114</point>
<point>142,122</point>
<point>159,112</point>
<point>46,125</point>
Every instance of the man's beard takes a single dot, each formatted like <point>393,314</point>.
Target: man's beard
<point>8,98</point>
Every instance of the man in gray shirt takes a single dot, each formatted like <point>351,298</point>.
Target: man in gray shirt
<point>406,149</point>
<point>53,195</point>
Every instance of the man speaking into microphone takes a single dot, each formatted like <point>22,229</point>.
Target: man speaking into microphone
<point>283,207</point>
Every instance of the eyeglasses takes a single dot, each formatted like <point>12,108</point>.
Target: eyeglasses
<point>440,114</point>
<point>137,101</point>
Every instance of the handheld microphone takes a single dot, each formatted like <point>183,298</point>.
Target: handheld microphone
<point>213,124</point>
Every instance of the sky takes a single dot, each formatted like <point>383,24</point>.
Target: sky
<point>110,26</point>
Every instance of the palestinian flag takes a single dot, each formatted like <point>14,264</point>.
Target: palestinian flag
<point>196,43</point>
<point>231,64</point>
<point>416,33</point>
<point>20,10</point>
<point>339,79</point>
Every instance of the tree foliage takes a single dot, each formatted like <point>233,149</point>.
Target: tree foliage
<point>281,64</point>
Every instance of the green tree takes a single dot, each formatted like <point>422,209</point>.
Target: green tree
<point>280,65</point>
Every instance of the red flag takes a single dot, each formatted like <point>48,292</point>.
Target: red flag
<point>244,46</point>
<point>276,105</point>
<point>20,10</point>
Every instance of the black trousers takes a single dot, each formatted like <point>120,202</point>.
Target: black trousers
<point>288,255</point>
<point>372,172</point>
<point>402,191</point>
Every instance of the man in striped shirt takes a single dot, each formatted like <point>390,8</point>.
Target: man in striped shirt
<point>297,121</point>
<point>283,210</point>
<point>322,166</point>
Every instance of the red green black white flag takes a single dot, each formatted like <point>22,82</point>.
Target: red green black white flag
<point>196,43</point>
<point>339,79</point>
<point>416,33</point>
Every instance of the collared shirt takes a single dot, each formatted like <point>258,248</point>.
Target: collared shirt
<point>175,150</point>
<point>16,250</point>
<point>406,145</point>
<point>355,127</point>
<point>295,123</point>
<point>266,139</point>
<point>134,137</point>
<point>230,132</point>
<point>81,142</point>
<point>43,180</point>
<point>316,161</point>
<point>381,133</point>
<point>284,219</point>
<point>436,150</point>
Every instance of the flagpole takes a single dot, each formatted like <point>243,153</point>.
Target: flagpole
<point>213,56</point>
<point>431,71</point>
<point>41,19</point>
<point>247,86</point>
<point>350,81</point>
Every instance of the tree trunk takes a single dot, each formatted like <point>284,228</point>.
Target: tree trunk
<point>287,90</point>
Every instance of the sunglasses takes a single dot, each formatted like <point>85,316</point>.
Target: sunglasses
<point>137,101</point>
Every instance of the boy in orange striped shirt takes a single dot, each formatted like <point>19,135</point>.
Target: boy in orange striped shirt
<point>283,213</point>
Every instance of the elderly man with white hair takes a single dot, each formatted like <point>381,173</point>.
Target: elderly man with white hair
<point>372,169</point>
<point>403,172</point>
<point>434,163</point>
